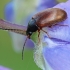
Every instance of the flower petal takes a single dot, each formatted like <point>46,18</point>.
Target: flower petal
<point>4,68</point>
<point>9,11</point>
<point>58,57</point>
<point>47,3</point>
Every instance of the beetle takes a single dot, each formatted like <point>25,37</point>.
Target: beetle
<point>47,18</point>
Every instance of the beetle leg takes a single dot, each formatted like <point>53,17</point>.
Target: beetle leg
<point>58,25</point>
<point>39,35</point>
<point>46,33</point>
<point>61,24</point>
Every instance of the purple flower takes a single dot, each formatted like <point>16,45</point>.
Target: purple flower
<point>4,68</point>
<point>57,51</point>
<point>47,4</point>
<point>52,53</point>
<point>10,15</point>
<point>9,11</point>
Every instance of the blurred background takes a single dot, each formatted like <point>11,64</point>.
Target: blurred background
<point>10,52</point>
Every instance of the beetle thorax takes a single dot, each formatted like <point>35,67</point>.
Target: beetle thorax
<point>32,27</point>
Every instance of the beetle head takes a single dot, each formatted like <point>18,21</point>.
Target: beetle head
<point>32,27</point>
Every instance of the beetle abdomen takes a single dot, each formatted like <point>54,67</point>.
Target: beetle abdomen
<point>50,17</point>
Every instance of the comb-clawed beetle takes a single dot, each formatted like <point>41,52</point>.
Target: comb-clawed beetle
<point>46,18</point>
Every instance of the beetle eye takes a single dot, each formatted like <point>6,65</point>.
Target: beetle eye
<point>30,33</point>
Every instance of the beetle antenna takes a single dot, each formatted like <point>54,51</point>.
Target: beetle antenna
<point>23,47</point>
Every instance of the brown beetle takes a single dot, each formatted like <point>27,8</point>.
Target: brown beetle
<point>46,18</point>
